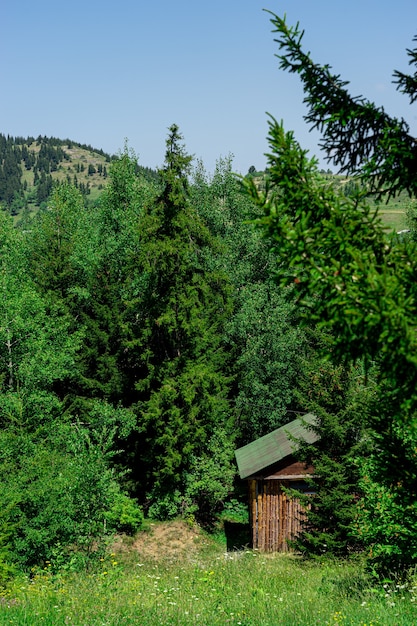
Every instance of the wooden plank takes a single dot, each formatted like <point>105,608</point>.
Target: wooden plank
<point>275,518</point>
<point>253,512</point>
<point>274,545</point>
<point>281,519</point>
<point>261,529</point>
<point>269,513</point>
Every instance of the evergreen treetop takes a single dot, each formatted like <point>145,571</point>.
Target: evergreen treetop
<point>358,136</point>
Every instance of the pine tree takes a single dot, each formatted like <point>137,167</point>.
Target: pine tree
<point>176,322</point>
<point>111,241</point>
<point>359,137</point>
<point>354,281</point>
<point>339,397</point>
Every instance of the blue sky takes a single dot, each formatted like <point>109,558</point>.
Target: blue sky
<point>100,72</point>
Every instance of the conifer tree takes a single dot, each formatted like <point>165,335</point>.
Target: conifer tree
<point>51,242</point>
<point>354,281</point>
<point>104,254</point>
<point>176,322</point>
<point>358,136</point>
<point>339,396</point>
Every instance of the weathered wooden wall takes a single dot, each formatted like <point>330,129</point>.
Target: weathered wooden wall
<point>275,517</point>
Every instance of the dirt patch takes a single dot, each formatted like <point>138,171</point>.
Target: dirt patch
<point>173,541</point>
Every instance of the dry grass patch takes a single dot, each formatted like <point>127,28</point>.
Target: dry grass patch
<point>166,541</point>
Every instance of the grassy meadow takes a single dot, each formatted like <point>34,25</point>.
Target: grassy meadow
<point>394,219</point>
<point>393,214</point>
<point>174,574</point>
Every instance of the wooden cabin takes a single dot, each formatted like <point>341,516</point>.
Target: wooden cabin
<point>269,465</point>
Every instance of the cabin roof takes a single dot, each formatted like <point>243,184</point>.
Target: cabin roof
<point>272,448</point>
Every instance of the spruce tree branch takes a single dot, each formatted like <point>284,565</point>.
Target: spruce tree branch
<point>358,137</point>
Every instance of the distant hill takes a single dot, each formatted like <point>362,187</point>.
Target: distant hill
<point>29,168</point>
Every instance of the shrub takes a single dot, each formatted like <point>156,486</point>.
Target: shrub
<point>125,515</point>
<point>55,499</point>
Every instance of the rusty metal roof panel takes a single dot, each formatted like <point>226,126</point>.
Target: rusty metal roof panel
<point>271,448</point>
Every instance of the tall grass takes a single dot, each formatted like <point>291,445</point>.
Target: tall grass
<point>208,587</point>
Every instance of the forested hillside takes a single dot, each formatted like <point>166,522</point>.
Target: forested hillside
<point>29,168</point>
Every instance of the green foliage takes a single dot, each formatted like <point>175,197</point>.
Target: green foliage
<point>261,335</point>
<point>101,259</point>
<point>351,279</point>
<point>174,321</point>
<point>167,506</point>
<point>387,523</point>
<point>388,480</point>
<point>50,246</point>
<point>58,492</point>
<point>209,479</point>
<point>267,347</point>
<point>7,569</point>
<point>357,135</point>
<point>37,348</point>
<point>205,485</point>
<point>125,515</point>
<point>358,286</point>
<point>338,396</point>
<point>10,171</point>
<point>55,473</point>
<point>235,511</point>
<point>411,217</point>
<point>408,84</point>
